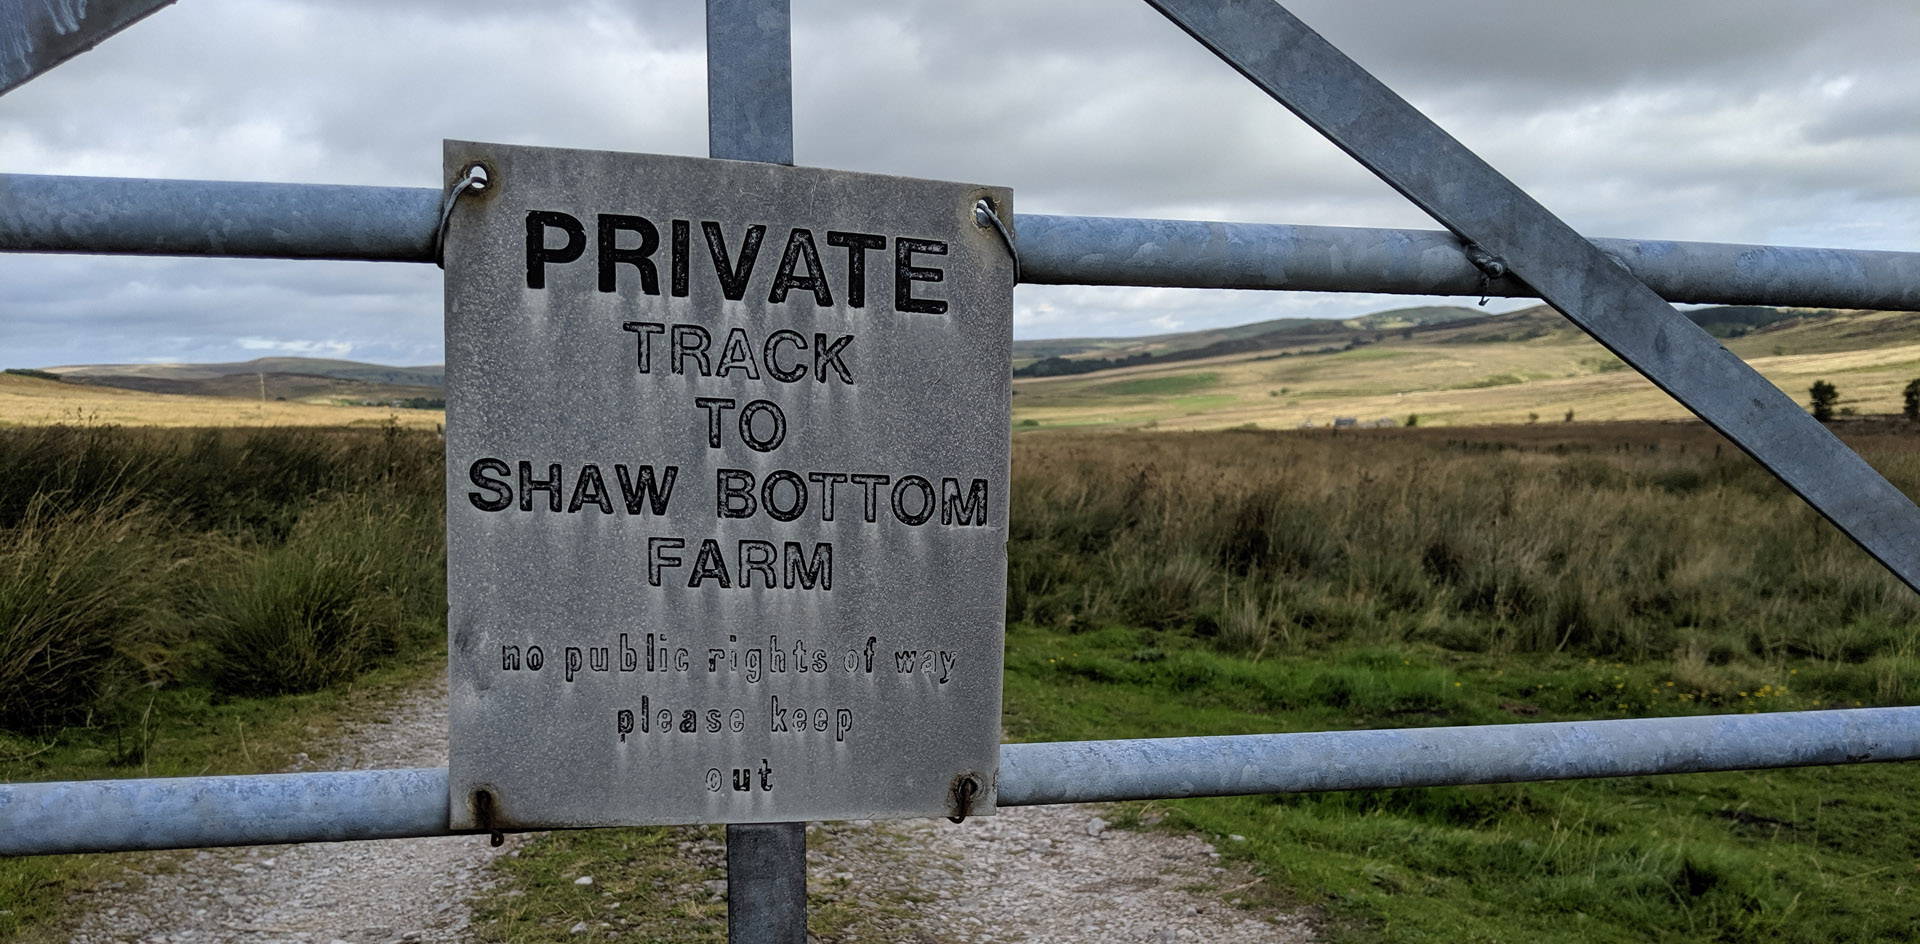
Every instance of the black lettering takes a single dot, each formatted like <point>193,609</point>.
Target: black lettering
<point>774,438</point>
<point>905,273</point>
<point>973,511</point>
<point>690,341</point>
<point>538,254</point>
<point>733,494</point>
<point>715,407</point>
<point>529,485</point>
<point>509,658</point>
<point>590,487</point>
<point>927,501</point>
<point>642,489</point>
<point>640,257</point>
<point>856,245</point>
<point>800,248</point>
<point>795,508</point>
<point>490,474</point>
<point>869,485</point>
<point>733,280</point>
<point>657,559</point>
<point>598,658</point>
<point>535,658</point>
<point>629,659</point>
<point>737,354</point>
<point>826,481</point>
<point>805,573</point>
<point>828,355</point>
<point>574,662</point>
<point>784,375</point>
<point>643,330</point>
<point>756,557</point>
<point>679,264</point>
<point>709,565</point>
<point>689,722</point>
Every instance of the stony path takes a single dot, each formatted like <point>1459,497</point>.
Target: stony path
<point>412,890</point>
<point>1037,874</point>
<point>1040,875</point>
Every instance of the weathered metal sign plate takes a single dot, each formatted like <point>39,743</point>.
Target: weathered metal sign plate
<point>727,469</point>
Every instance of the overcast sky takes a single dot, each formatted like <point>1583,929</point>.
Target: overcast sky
<point>1728,120</point>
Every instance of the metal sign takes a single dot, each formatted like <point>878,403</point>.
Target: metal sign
<point>727,468</point>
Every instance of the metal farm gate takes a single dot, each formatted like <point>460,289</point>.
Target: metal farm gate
<point>1498,241</point>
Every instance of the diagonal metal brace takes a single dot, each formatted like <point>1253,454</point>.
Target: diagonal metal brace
<point>1301,70</point>
<point>36,35</point>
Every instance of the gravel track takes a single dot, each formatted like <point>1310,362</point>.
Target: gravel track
<point>1037,874</point>
<point>359,892</point>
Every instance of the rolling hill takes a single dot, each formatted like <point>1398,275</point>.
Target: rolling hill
<point>298,379</point>
<point>1524,366</point>
<point>1440,366</point>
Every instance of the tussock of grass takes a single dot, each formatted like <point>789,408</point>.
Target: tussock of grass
<point>72,610</point>
<point>357,581</point>
<point>1600,544</point>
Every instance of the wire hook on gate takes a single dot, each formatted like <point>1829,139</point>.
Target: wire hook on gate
<point>984,215</point>
<point>474,179</point>
<point>1491,267</point>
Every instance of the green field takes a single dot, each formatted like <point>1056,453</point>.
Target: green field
<point>1159,584</point>
<point>185,602</point>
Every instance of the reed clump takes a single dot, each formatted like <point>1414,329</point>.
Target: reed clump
<point>1621,541</point>
<point>251,561</point>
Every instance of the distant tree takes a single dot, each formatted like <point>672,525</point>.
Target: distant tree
<point>1911,401</point>
<point>1824,395</point>
<point>1413,419</point>
<point>1533,417</point>
<point>1569,417</point>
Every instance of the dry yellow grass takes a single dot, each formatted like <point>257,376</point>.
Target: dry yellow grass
<point>1448,384</point>
<point>28,401</point>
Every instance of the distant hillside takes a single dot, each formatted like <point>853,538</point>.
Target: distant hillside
<point>1066,357</point>
<point>1530,365</point>
<point>301,379</point>
<point>1443,325</point>
<point>425,376</point>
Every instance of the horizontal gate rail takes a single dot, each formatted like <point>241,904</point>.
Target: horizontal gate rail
<point>188,812</point>
<point>127,216</point>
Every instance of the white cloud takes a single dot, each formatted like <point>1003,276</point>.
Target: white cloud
<point>1734,120</point>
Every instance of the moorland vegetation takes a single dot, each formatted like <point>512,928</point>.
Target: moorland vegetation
<point>163,591</point>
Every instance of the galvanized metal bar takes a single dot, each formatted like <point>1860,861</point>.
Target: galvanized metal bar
<point>1081,250</point>
<point>750,81</point>
<point>767,883</point>
<point>750,118</point>
<point>216,218</point>
<point>188,812</point>
<point>396,224</point>
<point>1344,102</point>
<point>1162,768</point>
<point>36,35</point>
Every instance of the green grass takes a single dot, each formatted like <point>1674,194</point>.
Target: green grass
<point>153,583</point>
<point>1823,854</point>
<point>179,731</point>
<point>1170,386</point>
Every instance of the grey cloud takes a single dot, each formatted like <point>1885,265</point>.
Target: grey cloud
<point>1735,120</point>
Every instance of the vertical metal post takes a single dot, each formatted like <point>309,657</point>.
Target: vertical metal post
<point>767,883</point>
<point>750,118</point>
<point>750,80</point>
